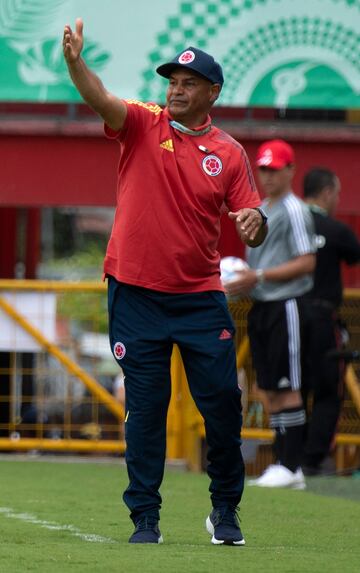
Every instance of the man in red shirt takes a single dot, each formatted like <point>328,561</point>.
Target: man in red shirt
<point>177,175</point>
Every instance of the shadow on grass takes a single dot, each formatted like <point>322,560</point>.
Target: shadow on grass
<point>345,487</point>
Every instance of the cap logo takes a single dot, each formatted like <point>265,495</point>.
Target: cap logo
<point>186,57</point>
<point>266,158</point>
<point>119,350</point>
<point>212,165</point>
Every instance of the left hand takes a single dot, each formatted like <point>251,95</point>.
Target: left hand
<point>73,42</point>
<point>248,223</point>
<point>244,282</point>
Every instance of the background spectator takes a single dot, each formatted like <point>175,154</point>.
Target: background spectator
<point>336,243</point>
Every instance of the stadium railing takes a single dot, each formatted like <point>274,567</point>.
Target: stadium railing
<point>57,373</point>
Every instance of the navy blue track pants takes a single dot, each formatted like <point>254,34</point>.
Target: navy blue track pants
<point>143,325</point>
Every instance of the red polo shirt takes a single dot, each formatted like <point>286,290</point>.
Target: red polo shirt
<point>171,192</point>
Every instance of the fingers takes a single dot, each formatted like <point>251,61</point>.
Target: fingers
<point>242,284</point>
<point>67,37</point>
<point>250,229</point>
<point>243,215</point>
<point>73,41</point>
<point>249,222</point>
<point>67,34</point>
<point>236,286</point>
<point>79,25</point>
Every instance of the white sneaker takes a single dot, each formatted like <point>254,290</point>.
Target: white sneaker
<point>280,476</point>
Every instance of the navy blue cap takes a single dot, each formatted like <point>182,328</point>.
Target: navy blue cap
<point>197,61</point>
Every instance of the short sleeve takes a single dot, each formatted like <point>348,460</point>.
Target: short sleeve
<point>301,228</point>
<point>242,190</point>
<point>139,119</point>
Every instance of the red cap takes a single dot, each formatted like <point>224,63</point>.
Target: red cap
<point>275,154</point>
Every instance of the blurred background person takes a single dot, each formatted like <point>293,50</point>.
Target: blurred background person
<point>280,275</point>
<point>336,243</point>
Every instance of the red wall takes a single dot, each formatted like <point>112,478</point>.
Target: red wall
<point>48,170</point>
<point>79,167</point>
<point>81,170</point>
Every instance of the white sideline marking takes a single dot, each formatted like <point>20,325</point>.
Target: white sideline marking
<point>52,525</point>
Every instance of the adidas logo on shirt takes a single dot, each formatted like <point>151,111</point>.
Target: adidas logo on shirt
<point>168,145</point>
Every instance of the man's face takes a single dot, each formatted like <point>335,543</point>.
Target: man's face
<point>275,182</point>
<point>189,97</point>
<point>332,197</point>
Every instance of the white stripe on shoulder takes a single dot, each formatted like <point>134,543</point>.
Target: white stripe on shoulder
<point>296,215</point>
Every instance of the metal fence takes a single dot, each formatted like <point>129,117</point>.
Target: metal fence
<point>61,389</point>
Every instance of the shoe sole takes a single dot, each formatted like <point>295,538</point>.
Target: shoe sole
<point>214,541</point>
<point>160,540</point>
<point>290,486</point>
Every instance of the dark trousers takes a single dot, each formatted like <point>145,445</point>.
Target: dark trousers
<point>325,384</point>
<point>147,323</point>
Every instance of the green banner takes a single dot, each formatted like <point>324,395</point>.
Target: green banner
<point>274,53</point>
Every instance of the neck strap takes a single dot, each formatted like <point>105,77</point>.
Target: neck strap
<point>187,130</point>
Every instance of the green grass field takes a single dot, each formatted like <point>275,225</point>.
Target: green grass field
<point>60,517</point>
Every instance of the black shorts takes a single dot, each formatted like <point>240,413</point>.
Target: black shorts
<point>276,331</point>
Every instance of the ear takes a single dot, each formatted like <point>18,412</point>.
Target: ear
<point>215,90</point>
<point>324,195</point>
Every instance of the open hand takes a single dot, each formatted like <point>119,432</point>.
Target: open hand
<point>73,41</point>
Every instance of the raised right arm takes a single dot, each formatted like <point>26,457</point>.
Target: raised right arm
<point>109,107</point>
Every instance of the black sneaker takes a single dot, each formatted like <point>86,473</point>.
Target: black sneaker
<point>146,531</point>
<point>223,525</point>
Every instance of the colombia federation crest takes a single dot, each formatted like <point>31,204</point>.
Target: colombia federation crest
<point>212,165</point>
